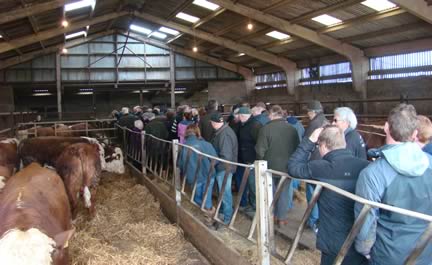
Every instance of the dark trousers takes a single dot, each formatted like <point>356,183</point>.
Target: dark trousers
<point>356,259</point>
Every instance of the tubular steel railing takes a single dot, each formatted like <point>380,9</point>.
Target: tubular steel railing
<point>161,158</point>
<point>93,128</point>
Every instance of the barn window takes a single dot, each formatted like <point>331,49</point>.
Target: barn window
<point>401,65</point>
<point>270,80</point>
<point>326,74</point>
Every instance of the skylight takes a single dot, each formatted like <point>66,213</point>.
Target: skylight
<point>327,20</point>
<point>140,29</point>
<point>76,34</point>
<point>379,5</point>
<point>278,35</point>
<point>206,4</point>
<point>187,17</point>
<point>169,31</point>
<point>158,35</point>
<point>80,4</point>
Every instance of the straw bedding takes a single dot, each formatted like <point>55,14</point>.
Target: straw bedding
<point>128,228</point>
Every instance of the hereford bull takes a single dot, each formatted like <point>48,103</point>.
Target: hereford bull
<point>8,159</point>
<point>35,223</point>
<point>46,150</point>
<point>79,166</point>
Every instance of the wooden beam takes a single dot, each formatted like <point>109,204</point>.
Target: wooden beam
<point>402,47</point>
<point>179,8</point>
<point>366,18</point>
<point>209,17</point>
<point>245,72</point>
<point>30,56</point>
<point>419,8</point>
<point>277,43</point>
<point>47,34</point>
<point>325,10</point>
<point>280,24</point>
<point>276,5</point>
<point>30,10</point>
<point>253,35</point>
<point>387,31</point>
<point>289,66</point>
<point>224,42</point>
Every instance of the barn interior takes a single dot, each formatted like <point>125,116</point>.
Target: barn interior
<point>82,59</point>
<point>368,55</point>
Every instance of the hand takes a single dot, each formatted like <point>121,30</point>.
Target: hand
<point>314,136</point>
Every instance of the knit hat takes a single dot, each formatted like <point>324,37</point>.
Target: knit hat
<point>216,117</point>
<point>244,110</point>
<point>314,105</point>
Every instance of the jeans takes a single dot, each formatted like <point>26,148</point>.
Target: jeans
<point>313,218</point>
<point>238,178</point>
<point>252,189</point>
<point>199,193</point>
<point>227,203</point>
<point>285,201</point>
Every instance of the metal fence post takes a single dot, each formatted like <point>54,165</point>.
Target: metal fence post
<point>143,154</point>
<point>177,181</point>
<point>125,150</point>
<point>264,195</point>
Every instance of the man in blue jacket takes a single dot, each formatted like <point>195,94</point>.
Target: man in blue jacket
<point>402,177</point>
<point>340,168</point>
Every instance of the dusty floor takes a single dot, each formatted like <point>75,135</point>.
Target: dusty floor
<point>129,228</point>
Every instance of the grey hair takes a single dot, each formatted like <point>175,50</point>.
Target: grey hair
<point>332,137</point>
<point>347,114</point>
<point>402,122</point>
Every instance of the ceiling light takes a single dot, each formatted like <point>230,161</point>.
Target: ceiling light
<point>327,20</point>
<point>195,49</point>
<point>206,4</point>
<point>80,4</point>
<point>379,5</point>
<point>85,93</point>
<point>40,91</point>
<point>143,91</point>
<point>179,92</point>
<point>250,26</point>
<point>187,17</point>
<point>278,35</point>
<point>241,54</point>
<point>140,29</point>
<point>169,31</point>
<point>86,89</point>
<point>41,94</point>
<point>65,24</point>
<point>1,36</point>
<point>158,35</point>
<point>76,34</point>
<point>64,50</point>
<point>87,27</point>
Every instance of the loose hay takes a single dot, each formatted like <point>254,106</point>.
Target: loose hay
<point>129,228</point>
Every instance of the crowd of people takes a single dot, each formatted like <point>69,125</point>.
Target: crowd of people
<point>328,151</point>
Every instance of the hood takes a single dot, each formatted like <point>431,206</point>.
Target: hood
<point>407,159</point>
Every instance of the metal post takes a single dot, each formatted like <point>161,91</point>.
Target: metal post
<point>58,85</point>
<point>172,78</point>
<point>302,226</point>
<point>143,154</point>
<point>176,172</point>
<point>352,235</point>
<point>124,143</point>
<point>424,240</point>
<point>264,194</point>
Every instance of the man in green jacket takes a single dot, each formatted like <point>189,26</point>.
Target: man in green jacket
<point>277,141</point>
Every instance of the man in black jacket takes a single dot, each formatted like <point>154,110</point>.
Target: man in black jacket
<point>205,126</point>
<point>225,143</point>
<point>247,139</point>
<point>345,119</point>
<point>341,169</point>
<point>317,120</point>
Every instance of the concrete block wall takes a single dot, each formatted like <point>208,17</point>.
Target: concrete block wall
<point>6,99</point>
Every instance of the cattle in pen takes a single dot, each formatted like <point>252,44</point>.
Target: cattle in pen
<point>8,159</point>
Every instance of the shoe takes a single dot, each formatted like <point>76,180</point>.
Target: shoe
<point>314,228</point>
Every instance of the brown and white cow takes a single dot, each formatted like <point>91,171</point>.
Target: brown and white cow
<point>79,165</point>
<point>46,150</point>
<point>9,161</point>
<point>35,223</point>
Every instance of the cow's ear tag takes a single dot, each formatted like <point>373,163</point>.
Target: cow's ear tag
<point>62,239</point>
